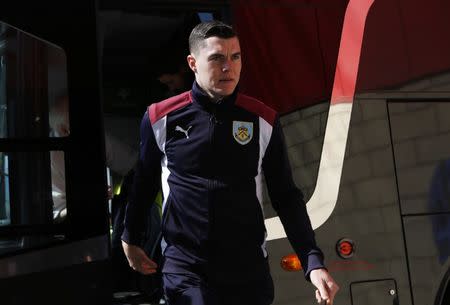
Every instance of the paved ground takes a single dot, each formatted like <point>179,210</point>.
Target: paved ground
<point>133,298</point>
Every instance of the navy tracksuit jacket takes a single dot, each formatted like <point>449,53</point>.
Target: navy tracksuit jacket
<point>210,158</point>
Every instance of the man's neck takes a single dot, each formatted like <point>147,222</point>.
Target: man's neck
<point>213,98</point>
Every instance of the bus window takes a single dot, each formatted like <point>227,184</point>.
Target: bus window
<point>57,163</point>
<point>4,185</point>
<point>28,199</point>
<point>5,207</point>
<point>34,113</point>
<point>32,82</point>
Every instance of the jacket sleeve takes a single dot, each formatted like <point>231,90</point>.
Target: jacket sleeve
<point>287,200</point>
<point>146,184</point>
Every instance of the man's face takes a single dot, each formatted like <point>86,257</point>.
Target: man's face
<point>217,66</point>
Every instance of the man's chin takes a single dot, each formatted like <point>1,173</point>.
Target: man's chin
<point>226,91</point>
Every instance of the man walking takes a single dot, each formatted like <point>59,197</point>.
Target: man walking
<point>209,147</point>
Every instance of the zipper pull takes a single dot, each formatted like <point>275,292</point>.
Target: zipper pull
<point>213,119</point>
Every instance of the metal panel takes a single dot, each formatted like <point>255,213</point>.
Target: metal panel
<point>421,141</point>
<point>427,242</point>
<point>367,212</point>
<point>374,293</point>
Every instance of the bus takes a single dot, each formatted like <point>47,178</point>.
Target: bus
<point>363,91</point>
<point>47,53</point>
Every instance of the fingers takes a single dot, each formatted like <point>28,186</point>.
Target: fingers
<point>143,264</point>
<point>326,286</point>
<point>147,261</point>
<point>319,298</point>
<point>142,267</point>
<point>147,269</point>
<point>138,260</point>
<point>323,293</point>
<point>333,289</point>
<point>147,266</point>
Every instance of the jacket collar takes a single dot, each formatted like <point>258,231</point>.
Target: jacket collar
<point>199,96</point>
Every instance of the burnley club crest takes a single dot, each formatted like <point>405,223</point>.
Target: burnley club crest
<point>242,132</point>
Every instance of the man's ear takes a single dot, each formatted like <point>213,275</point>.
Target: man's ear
<point>192,62</point>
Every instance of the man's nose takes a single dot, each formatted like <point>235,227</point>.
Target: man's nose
<point>226,65</point>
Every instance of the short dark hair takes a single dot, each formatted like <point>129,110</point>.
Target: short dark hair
<point>208,29</point>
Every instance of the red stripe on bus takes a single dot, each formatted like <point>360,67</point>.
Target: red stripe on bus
<point>350,51</point>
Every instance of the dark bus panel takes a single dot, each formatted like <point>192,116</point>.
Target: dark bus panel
<point>54,244</point>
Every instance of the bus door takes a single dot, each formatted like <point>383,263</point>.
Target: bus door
<point>54,242</point>
<point>371,154</point>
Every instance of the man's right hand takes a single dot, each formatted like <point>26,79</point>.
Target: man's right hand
<point>138,260</point>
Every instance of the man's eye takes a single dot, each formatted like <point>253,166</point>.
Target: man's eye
<point>237,56</point>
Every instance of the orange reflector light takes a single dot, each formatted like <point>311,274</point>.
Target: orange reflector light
<point>345,248</point>
<point>291,263</point>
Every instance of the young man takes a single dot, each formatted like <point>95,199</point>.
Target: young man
<point>210,147</point>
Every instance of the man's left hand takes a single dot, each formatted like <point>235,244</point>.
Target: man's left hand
<point>325,284</point>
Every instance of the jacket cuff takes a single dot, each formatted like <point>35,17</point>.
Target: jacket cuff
<point>315,261</point>
<point>130,238</point>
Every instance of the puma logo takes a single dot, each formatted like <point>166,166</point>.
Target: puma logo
<point>178,128</point>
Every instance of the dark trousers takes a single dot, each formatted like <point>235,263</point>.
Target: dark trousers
<point>187,289</point>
